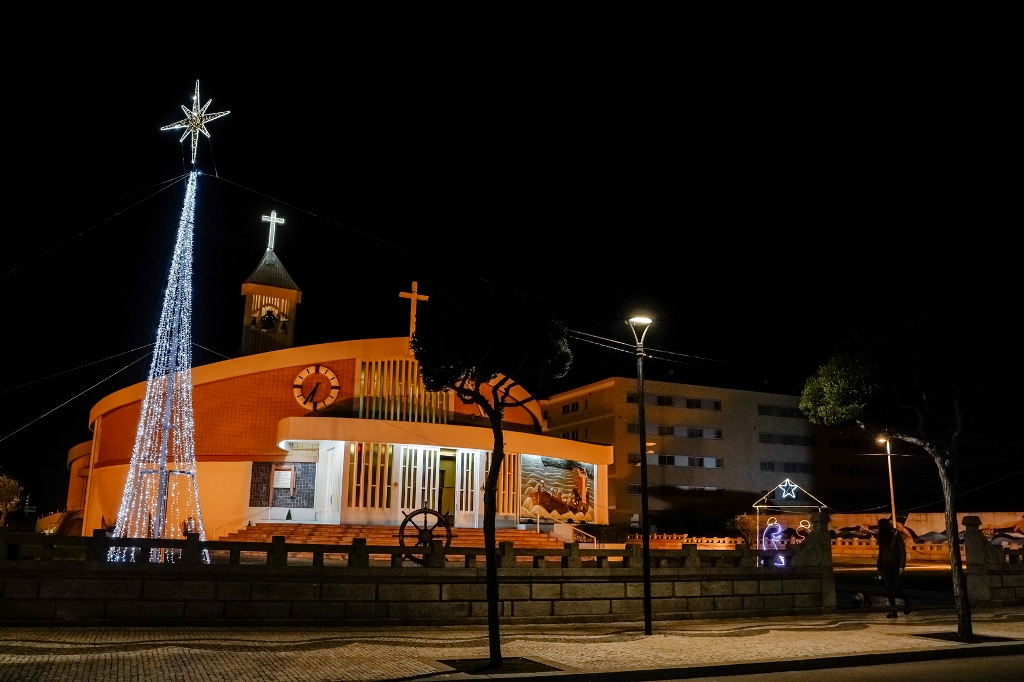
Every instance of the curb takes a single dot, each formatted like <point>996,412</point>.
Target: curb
<point>763,667</point>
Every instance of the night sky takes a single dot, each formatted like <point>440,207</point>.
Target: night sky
<point>758,206</point>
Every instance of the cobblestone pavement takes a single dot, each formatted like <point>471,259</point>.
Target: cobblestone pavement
<point>348,653</point>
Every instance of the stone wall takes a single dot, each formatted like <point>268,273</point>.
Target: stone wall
<point>991,579</point>
<point>92,593</point>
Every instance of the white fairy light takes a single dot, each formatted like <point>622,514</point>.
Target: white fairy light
<point>195,121</point>
<point>161,498</point>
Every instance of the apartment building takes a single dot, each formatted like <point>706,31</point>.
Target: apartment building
<point>711,451</point>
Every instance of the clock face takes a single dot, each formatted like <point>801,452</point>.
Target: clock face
<point>315,387</point>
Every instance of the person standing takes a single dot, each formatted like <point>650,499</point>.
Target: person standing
<point>892,559</point>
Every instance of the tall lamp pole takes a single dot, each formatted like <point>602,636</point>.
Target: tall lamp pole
<point>892,490</point>
<point>645,526</point>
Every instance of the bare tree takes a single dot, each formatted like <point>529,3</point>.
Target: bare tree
<point>914,382</point>
<point>493,350</point>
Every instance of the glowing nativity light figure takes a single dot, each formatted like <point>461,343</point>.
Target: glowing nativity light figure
<point>195,121</point>
<point>161,498</point>
<point>775,529</point>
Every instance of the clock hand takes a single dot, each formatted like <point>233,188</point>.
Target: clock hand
<point>311,394</point>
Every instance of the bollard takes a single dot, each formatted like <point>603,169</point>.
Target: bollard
<point>573,560</point>
<point>507,555</point>
<point>191,554</point>
<point>277,556</point>
<point>358,557</point>
<point>98,546</point>
<point>434,558</point>
<point>635,558</point>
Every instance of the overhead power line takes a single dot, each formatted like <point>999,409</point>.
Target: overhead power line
<point>90,228</point>
<point>110,376</point>
<point>74,369</point>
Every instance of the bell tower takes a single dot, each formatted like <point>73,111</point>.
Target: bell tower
<point>271,299</point>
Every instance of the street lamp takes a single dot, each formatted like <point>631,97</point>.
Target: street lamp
<point>892,490</point>
<point>644,323</point>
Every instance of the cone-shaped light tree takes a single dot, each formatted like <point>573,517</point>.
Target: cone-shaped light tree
<point>481,345</point>
<point>161,498</point>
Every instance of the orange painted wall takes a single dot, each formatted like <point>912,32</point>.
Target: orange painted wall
<point>233,417</point>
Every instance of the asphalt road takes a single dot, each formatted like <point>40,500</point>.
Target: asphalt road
<point>984,669</point>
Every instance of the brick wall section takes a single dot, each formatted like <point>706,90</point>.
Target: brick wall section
<point>74,593</point>
<point>236,416</point>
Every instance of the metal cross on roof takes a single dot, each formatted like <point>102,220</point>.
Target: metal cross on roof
<point>274,221</point>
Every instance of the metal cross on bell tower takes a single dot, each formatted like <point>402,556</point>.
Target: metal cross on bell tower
<point>413,297</point>
<point>274,222</point>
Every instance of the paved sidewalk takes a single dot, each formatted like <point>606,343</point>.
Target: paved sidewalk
<point>232,653</point>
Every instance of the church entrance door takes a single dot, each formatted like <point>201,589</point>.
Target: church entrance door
<point>468,500</point>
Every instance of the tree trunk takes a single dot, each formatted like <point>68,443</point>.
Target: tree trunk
<point>490,512</point>
<point>964,630</point>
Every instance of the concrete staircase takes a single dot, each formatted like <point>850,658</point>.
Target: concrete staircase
<point>386,536</point>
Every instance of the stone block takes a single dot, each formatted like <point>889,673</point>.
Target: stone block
<point>21,588</point>
<point>593,591</point>
<point>400,593</point>
<point>145,610</point>
<point>448,609</point>
<point>1020,592</point>
<point>670,605</point>
<point>806,601</point>
<point>744,587</point>
<point>85,588</point>
<point>752,603</point>
<point>769,587</point>
<point>80,610</point>
<point>366,610</point>
<point>233,591</point>
<point>198,590</point>
<point>1013,580</point>
<point>257,610</point>
<point>464,592</point>
<point>592,607</point>
<point>286,591</point>
<point>700,604</point>
<point>660,589</point>
<point>546,591</point>
<point>478,609</point>
<point>728,603</point>
<point>634,606</point>
<point>513,591</point>
<point>319,610</point>
<point>531,608</point>
<point>26,610</point>
<point>349,592</point>
<point>801,586</point>
<point>1003,593</point>
<point>204,610</point>
<point>783,601</point>
<point>687,589</point>
<point>715,587</point>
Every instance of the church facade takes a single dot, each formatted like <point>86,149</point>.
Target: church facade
<point>338,433</point>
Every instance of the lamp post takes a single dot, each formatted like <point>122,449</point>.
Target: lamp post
<point>892,490</point>
<point>645,323</point>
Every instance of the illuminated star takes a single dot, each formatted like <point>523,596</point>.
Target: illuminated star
<point>195,121</point>
<point>788,489</point>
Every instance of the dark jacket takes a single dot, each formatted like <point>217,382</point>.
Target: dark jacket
<point>892,552</point>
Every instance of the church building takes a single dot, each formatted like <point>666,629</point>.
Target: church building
<point>338,433</point>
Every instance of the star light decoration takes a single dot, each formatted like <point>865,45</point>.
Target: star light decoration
<point>788,489</point>
<point>195,121</point>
